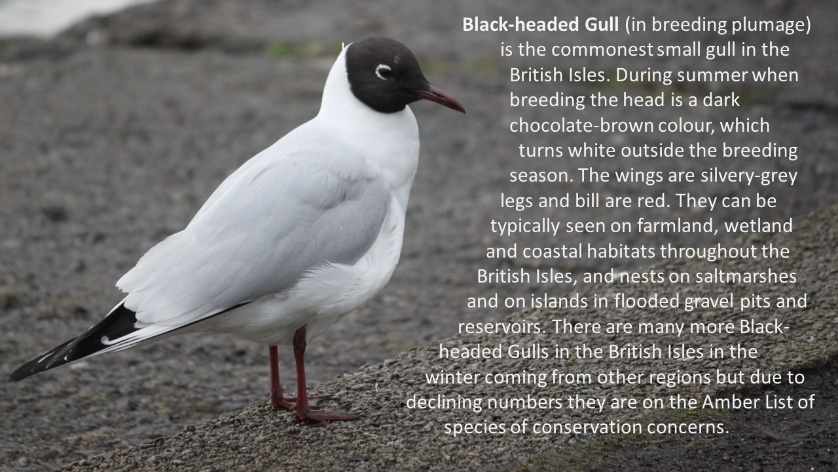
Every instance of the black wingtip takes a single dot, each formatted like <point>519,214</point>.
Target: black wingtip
<point>119,322</point>
<point>38,364</point>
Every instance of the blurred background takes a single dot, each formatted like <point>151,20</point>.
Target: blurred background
<point>49,17</point>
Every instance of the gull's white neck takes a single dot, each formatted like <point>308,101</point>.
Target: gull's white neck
<point>389,140</point>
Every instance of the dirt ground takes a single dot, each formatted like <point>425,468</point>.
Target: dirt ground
<point>113,135</point>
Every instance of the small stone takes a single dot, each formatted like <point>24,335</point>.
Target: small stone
<point>9,298</point>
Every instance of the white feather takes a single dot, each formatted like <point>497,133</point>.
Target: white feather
<point>306,230</point>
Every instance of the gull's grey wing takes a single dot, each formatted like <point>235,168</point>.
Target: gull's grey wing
<point>287,211</point>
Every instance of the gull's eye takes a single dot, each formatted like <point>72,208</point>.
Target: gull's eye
<point>383,71</point>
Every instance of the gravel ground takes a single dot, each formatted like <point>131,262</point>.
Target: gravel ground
<point>394,437</point>
<point>775,441</point>
<point>113,135</point>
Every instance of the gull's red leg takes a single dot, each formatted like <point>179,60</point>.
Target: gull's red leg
<point>277,398</point>
<point>302,407</point>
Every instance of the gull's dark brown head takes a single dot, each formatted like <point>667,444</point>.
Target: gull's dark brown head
<point>384,75</point>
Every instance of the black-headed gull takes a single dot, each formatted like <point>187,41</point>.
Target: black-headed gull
<point>299,235</point>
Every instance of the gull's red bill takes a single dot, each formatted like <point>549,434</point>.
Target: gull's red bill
<point>436,95</point>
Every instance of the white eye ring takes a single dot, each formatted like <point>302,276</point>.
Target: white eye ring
<point>383,67</point>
